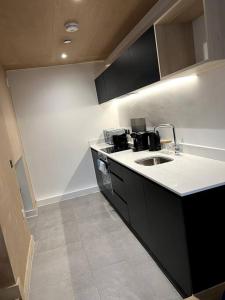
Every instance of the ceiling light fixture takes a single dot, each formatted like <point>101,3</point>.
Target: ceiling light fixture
<point>64,55</point>
<point>71,26</point>
<point>67,41</point>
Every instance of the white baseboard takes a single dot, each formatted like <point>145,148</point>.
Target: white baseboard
<point>68,196</point>
<point>31,213</point>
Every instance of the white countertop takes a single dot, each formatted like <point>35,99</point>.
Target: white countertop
<point>186,174</point>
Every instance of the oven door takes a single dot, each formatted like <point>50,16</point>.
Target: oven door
<point>106,178</point>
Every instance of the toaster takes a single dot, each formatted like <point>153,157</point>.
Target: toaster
<point>109,133</point>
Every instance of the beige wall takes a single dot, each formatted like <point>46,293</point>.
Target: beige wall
<point>9,116</point>
<point>14,227</point>
<point>17,155</point>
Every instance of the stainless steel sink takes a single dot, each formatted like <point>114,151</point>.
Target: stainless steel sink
<point>154,160</point>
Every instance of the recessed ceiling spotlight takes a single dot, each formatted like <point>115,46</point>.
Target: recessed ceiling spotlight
<point>67,41</point>
<point>71,26</point>
<point>64,55</point>
<point>107,65</point>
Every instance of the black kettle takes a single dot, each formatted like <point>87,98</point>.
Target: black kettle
<point>140,141</point>
<point>154,141</point>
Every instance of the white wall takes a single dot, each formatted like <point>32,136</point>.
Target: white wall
<point>58,114</point>
<point>196,105</point>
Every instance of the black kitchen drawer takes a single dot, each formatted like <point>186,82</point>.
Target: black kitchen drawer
<point>119,186</point>
<point>121,205</point>
<point>166,236</point>
<point>117,169</point>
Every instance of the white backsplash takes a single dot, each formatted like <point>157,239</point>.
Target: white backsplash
<point>194,104</point>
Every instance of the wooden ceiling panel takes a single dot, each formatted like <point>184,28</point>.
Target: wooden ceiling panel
<point>32,31</point>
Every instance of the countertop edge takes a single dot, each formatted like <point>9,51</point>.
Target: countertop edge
<point>194,191</point>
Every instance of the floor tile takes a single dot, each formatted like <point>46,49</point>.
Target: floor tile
<point>84,212</point>
<point>103,251</point>
<point>58,235</point>
<point>50,272</point>
<point>128,243</point>
<point>90,207</point>
<point>69,261</point>
<point>119,281</point>
<point>87,200</point>
<point>56,216</point>
<point>81,282</point>
<point>148,274</point>
<point>61,290</point>
<point>84,251</point>
<point>99,225</point>
<point>78,261</point>
<point>88,294</point>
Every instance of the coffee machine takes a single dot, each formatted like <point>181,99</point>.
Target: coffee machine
<point>140,141</point>
<point>154,141</point>
<point>120,141</point>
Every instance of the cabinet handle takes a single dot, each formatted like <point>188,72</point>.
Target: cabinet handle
<point>117,176</point>
<point>118,195</point>
<point>11,163</point>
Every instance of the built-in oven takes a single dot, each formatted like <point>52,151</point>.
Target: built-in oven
<point>103,167</point>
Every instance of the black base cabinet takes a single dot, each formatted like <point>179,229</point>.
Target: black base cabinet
<point>137,204</point>
<point>204,219</point>
<point>166,234</point>
<point>185,235</point>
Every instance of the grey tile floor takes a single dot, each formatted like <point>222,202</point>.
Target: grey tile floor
<point>84,251</point>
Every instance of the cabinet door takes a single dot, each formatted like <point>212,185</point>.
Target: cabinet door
<point>101,90</point>
<point>167,237</point>
<point>6,107</point>
<point>122,73</point>
<point>137,204</point>
<point>144,69</point>
<point>106,191</point>
<point>204,219</point>
<point>135,68</point>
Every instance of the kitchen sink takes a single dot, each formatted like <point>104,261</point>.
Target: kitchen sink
<point>154,160</point>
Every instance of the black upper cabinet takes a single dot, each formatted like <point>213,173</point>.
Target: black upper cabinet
<point>134,69</point>
<point>144,62</point>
